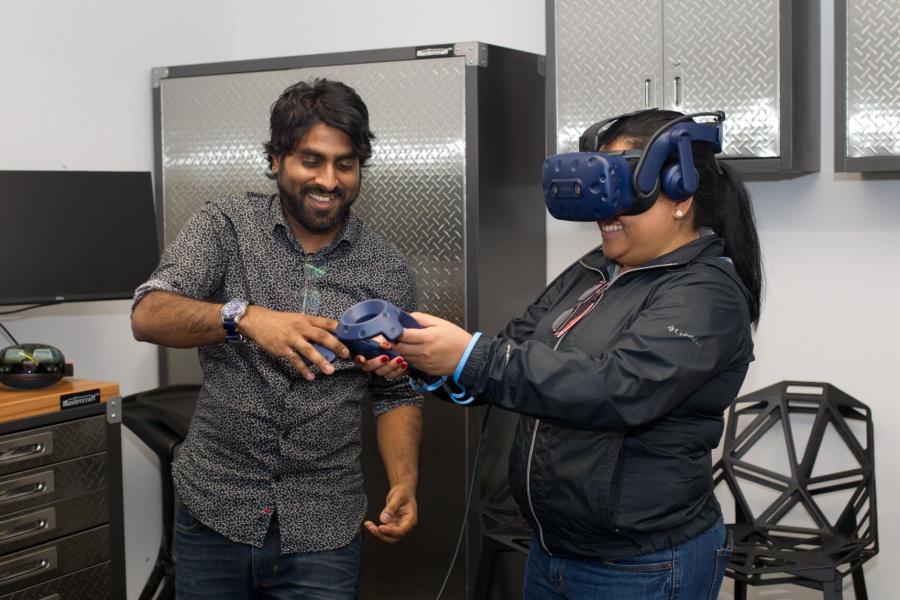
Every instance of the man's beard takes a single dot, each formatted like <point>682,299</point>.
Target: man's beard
<point>317,220</point>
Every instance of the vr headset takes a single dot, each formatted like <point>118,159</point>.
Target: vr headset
<point>591,185</point>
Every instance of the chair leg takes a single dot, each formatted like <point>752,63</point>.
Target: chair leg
<point>833,590</point>
<point>859,584</point>
<point>740,590</point>
<point>486,565</point>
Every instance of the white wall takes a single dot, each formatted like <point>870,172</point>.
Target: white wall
<point>77,96</point>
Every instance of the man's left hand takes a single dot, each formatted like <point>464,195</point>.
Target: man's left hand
<point>398,517</point>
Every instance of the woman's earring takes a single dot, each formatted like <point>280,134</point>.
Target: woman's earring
<point>679,213</point>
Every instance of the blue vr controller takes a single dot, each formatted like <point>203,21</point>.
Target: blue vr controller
<point>369,318</point>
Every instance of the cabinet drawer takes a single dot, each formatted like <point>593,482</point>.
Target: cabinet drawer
<point>54,560</point>
<point>93,583</point>
<point>46,445</point>
<point>52,482</point>
<point>47,522</point>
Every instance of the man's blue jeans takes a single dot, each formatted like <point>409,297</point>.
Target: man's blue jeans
<point>209,565</point>
<point>692,570</point>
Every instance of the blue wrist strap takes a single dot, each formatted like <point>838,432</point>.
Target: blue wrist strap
<point>462,361</point>
<point>460,396</point>
<point>425,386</point>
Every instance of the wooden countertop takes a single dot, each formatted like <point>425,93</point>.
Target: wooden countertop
<point>67,393</point>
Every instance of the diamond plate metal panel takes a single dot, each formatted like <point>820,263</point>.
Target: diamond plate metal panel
<point>873,78</point>
<point>413,193</point>
<point>607,54</point>
<point>726,54</point>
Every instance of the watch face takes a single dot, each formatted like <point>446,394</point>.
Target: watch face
<point>234,308</point>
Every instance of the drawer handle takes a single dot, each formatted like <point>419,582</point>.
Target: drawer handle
<point>23,530</point>
<point>23,451</point>
<point>22,491</point>
<point>29,569</point>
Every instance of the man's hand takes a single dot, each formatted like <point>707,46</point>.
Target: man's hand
<point>290,336</point>
<point>399,516</point>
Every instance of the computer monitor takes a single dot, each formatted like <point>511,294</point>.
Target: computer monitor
<point>75,235</point>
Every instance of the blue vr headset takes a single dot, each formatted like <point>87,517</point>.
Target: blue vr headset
<point>591,185</point>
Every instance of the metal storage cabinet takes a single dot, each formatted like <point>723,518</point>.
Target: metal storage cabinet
<point>454,183</point>
<point>757,61</point>
<point>61,507</point>
<point>867,85</point>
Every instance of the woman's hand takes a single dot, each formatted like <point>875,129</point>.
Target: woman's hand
<point>436,348</point>
<point>383,365</point>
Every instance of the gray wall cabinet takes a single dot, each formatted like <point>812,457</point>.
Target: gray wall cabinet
<point>757,61</point>
<point>867,85</point>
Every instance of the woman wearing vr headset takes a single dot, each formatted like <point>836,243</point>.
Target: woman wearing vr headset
<point>622,369</point>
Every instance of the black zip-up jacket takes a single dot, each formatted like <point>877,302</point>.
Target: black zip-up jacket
<point>611,458</point>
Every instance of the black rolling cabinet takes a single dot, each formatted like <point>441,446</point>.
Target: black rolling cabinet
<point>61,509</point>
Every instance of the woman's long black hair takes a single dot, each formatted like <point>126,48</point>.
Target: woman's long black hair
<point>720,203</point>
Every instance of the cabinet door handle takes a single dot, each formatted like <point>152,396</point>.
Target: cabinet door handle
<point>35,484</point>
<point>27,447</point>
<point>23,530</point>
<point>22,451</point>
<point>28,525</point>
<point>28,566</point>
<point>678,92</point>
<point>29,489</point>
<point>29,569</point>
<point>647,83</point>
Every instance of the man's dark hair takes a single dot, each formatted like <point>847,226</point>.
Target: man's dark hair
<point>304,104</point>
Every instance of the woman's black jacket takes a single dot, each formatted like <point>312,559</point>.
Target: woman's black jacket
<point>612,456</point>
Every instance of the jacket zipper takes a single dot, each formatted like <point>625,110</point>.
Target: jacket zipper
<point>537,422</point>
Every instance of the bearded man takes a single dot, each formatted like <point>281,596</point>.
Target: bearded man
<point>269,476</point>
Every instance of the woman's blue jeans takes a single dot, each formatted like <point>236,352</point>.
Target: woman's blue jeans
<point>692,570</point>
<point>210,566</point>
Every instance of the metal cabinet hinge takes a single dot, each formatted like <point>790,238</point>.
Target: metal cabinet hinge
<point>114,410</point>
<point>157,74</point>
<point>476,53</point>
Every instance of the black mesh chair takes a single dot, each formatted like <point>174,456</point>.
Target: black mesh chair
<point>816,522</point>
<point>161,418</point>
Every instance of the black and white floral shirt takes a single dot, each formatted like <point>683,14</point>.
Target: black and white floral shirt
<point>264,439</point>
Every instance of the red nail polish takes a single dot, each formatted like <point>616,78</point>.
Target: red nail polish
<point>384,359</point>
<point>404,365</point>
<point>399,360</point>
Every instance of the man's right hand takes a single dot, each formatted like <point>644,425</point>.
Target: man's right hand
<point>290,336</point>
